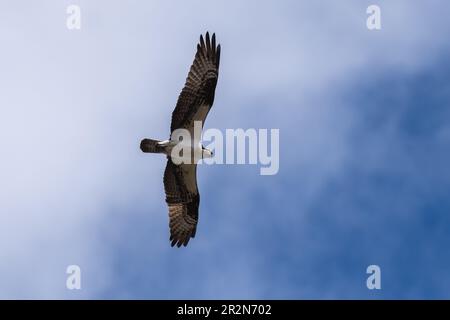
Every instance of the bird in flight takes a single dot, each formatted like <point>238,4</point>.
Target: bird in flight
<point>193,105</point>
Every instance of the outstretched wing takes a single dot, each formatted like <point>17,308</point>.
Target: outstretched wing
<point>183,199</point>
<point>197,96</point>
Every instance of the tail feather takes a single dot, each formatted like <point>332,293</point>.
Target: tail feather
<point>151,146</point>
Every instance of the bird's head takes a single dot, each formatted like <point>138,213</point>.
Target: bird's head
<point>206,153</point>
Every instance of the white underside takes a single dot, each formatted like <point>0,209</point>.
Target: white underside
<point>194,144</point>
<point>194,148</point>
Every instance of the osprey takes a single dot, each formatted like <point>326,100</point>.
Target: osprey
<point>193,105</point>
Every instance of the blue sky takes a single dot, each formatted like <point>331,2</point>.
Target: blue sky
<point>364,135</point>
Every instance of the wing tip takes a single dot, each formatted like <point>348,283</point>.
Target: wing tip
<point>208,47</point>
<point>180,240</point>
<point>202,42</point>
<point>207,39</point>
<point>179,243</point>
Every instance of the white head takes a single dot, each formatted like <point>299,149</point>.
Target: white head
<point>206,153</point>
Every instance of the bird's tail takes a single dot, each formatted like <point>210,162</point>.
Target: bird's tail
<point>151,146</point>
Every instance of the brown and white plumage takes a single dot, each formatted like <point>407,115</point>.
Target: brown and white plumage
<point>194,103</point>
<point>183,199</point>
<point>200,86</point>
